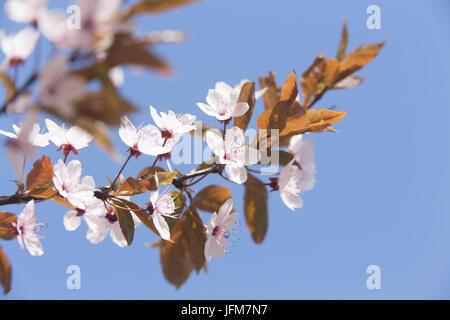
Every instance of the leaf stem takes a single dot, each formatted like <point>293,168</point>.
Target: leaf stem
<point>119,173</point>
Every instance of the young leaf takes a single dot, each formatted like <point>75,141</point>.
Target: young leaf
<point>343,43</point>
<point>247,95</point>
<point>7,229</point>
<point>319,77</point>
<point>322,119</point>
<point>358,58</point>
<point>275,118</point>
<point>5,272</point>
<point>255,208</point>
<point>126,221</point>
<point>155,6</point>
<point>211,198</point>
<point>270,97</point>
<point>41,175</point>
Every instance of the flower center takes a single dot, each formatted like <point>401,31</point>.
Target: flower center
<point>134,151</point>
<point>67,148</point>
<point>14,62</point>
<point>274,184</point>
<point>166,134</point>
<point>216,231</point>
<point>111,215</point>
<point>80,212</point>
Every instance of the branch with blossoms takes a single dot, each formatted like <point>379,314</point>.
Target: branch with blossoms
<point>96,52</point>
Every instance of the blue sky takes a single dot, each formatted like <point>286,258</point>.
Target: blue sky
<point>383,180</point>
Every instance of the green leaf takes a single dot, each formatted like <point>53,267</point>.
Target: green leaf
<point>126,221</point>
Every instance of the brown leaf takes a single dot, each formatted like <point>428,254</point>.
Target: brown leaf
<point>107,107</point>
<point>343,43</point>
<point>9,85</point>
<point>175,256</point>
<point>211,198</point>
<point>358,58</point>
<point>127,50</point>
<point>322,119</point>
<point>142,215</point>
<point>256,215</point>
<point>51,194</point>
<point>195,235</point>
<point>270,97</point>
<point>275,118</point>
<point>155,6</point>
<point>129,187</point>
<point>5,272</point>
<point>7,229</point>
<point>318,78</point>
<point>247,95</point>
<point>41,175</point>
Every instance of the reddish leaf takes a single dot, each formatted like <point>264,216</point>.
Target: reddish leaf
<point>7,229</point>
<point>41,175</point>
<point>211,198</point>
<point>5,272</point>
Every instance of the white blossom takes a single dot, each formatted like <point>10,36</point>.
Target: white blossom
<point>24,11</point>
<point>66,180</point>
<point>223,102</point>
<point>233,152</point>
<point>303,153</point>
<point>68,139</point>
<point>18,47</point>
<point>217,228</point>
<point>59,89</point>
<point>160,207</point>
<point>26,230</point>
<point>172,123</point>
<point>145,139</point>
<point>288,185</point>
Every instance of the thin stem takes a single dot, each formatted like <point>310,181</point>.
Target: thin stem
<point>19,91</point>
<point>198,180</point>
<point>120,171</point>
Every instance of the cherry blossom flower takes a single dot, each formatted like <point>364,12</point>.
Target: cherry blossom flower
<point>233,153</point>
<point>97,25</point>
<point>223,101</point>
<point>145,139</point>
<point>93,206</point>
<point>23,142</point>
<point>160,207</point>
<point>59,89</point>
<point>100,227</point>
<point>26,230</point>
<point>172,123</point>
<point>24,11</point>
<point>34,137</point>
<point>66,180</point>
<point>69,140</point>
<point>217,228</point>
<point>303,153</point>
<point>18,47</point>
<point>288,184</point>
